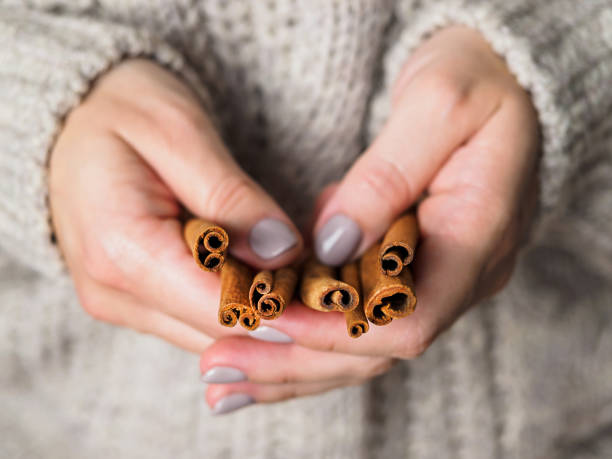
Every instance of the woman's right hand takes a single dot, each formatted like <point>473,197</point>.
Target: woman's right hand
<point>137,148</point>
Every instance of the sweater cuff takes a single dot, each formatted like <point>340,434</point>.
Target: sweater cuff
<point>554,55</point>
<point>47,65</point>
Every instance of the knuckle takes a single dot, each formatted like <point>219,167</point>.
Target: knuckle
<point>415,346</point>
<point>327,344</point>
<point>178,123</point>
<point>232,194</point>
<point>412,350</point>
<point>99,266</point>
<point>449,94</point>
<point>286,376</point>
<point>475,218</point>
<point>387,181</point>
<point>482,210</point>
<point>178,114</point>
<point>93,306</point>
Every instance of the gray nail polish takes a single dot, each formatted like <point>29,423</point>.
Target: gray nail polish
<point>223,375</point>
<point>232,402</point>
<point>337,240</point>
<point>270,237</point>
<point>265,333</point>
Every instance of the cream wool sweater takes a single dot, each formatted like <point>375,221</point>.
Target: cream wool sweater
<point>303,85</point>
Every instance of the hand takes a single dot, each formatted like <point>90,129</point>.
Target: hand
<point>128,155</point>
<point>463,131</point>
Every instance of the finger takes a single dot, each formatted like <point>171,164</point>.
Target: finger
<point>133,243</point>
<point>224,398</point>
<point>436,113</point>
<point>444,274</point>
<point>234,359</point>
<point>182,146</point>
<point>327,332</point>
<point>119,308</point>
<point>462,222</point>
<point>150,261</point>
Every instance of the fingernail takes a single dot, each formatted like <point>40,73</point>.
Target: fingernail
<point>231,403</point>
<point>265,333</point>
<point>222,375</point>
<point>270,237</point>
<point>337,240</point>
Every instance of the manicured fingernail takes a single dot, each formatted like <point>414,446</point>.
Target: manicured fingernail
<point>270,238</point>
<point>337,240</point>
<point>231,403</point>
<point>265,333</point>
<point>222,375</point>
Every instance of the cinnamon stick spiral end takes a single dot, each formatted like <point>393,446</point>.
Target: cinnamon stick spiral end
<point>390,303</point>
<point>215,239</point>
<point>321,290</point>
<point>207,242</point>
<point>212,262</point>
<point>356,322</point>
<point>235,281</point>
<point>271,306</point>
<point>340,297</point>
<point>385,297</point>
<point>228,315</point>
<point>271,292</point>
<point>262,284</point>
<point>394,258</point>
<point>249,318</point>
<point>398,245</point>
<point>358,328</point>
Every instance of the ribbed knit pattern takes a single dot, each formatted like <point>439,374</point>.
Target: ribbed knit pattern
<point>298,88</point>
<point>48,64</point>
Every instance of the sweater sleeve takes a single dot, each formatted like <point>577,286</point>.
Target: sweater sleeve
<point>47,64</point>
<point>559,50</point>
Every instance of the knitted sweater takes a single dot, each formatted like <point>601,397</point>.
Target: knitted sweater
<point>303,86</point>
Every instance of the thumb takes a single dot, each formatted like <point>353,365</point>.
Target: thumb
<point>426,125</point>
<point>188,154</point>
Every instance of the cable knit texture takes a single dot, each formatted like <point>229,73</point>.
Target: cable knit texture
<point>299,88</point>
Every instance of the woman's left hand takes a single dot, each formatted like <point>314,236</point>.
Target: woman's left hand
<point>462,130</point>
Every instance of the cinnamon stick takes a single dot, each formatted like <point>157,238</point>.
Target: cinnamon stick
<point>271,292</point>
<point>397,248</point>
<point>207,242</point>
<point>249,318</point>
<point>234,305</point>
<point>356,321</point>
<point>385,297</point>
<point>262,284</point>
<point>321,289</point>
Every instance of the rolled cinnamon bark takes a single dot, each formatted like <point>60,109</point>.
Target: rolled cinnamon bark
<point>207,242</point>
<point>271,292</point>
<point>397,248</point>
<point>262,284</point>
<point>356,321</point>
<point>385,297</point>
<point>321,289</point>
<point>249,318</point>
<point>235,283</point>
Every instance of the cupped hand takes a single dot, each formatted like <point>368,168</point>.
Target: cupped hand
<point>128,157</point>
<point>463,136</point>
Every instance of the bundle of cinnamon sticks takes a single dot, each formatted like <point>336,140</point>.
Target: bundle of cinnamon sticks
<point>376,288</point>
